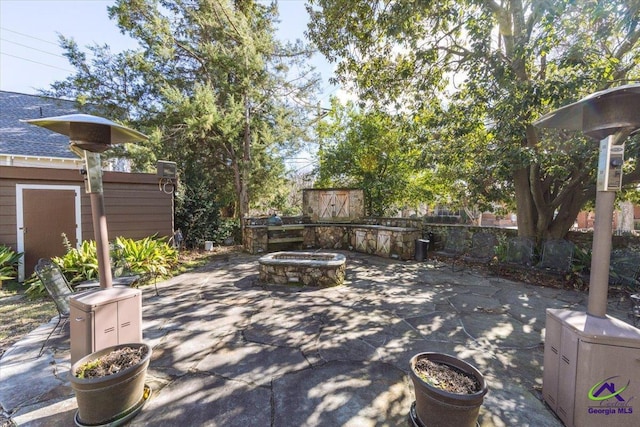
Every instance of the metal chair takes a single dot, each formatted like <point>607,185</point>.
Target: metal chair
<point>482,248</point>
<point>624,270</point>
<point>519,252</point>
<point>624,274</point>
<point>58,289</point>
<point>455,245</point>
<point>557,256</point>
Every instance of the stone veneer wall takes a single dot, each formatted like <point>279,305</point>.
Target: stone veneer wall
<point>255,239</point>
<point>393,242</point>
<point>385,241</point>
<point>304,276</point>
<point>394,222</point>
<point>256,233</point>
<point>305,269</point>
<point>329,237</point>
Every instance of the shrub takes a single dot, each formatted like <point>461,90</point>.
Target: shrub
<point>501,248</point>
<point>8,263</point>
<point>145,256</point>
<point>35,288</point>
<point>79,264</point>
<point>227,229</point>
<point>150,257</point>
<point>197,209</point>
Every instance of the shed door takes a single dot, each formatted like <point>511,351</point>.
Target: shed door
<point>327,200</point>
<point>342,204</point>
<point>46,215</point>
<point>334,204</point>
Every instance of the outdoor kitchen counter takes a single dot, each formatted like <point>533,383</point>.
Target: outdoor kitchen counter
<point>381,240</point>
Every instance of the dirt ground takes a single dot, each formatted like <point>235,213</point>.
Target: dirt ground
<point>19,315</point>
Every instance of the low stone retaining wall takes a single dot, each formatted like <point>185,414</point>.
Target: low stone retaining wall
<point>582,240</point>
<point>304,268</point>
<point>386,237</point>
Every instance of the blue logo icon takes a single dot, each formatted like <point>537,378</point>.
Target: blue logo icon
<point>606,389</point>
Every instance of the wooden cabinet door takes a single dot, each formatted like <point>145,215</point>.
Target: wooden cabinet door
<point>383,246</point>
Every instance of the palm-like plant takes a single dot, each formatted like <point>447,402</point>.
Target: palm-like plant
<point>8,263</point>
<point>79,264</point>
<point>150,256</point>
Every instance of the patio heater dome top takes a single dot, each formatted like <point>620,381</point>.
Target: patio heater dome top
<point>599,114</point>
<point>89,132</point>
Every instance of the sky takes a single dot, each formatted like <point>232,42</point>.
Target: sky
<point>30,58</point>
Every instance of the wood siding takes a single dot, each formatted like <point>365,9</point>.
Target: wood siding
<point>134,205</point>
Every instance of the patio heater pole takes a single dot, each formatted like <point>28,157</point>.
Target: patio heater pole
<point>601,246</point>
<point>99,219</point>
<point>601,254</point>
<point>93,169</point>
<point>101,235</point>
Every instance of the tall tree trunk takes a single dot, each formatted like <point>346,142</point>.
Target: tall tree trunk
<point>246,162</point>
<point>511,24</point>
<point>527,212</point>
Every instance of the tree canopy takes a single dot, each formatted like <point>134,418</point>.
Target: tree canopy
<point>211,84</point>
<point>477,74</point>
<point>380,153</point>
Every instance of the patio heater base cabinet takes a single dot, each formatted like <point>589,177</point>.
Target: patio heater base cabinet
<point>591,369</point>
<point>103,318</point>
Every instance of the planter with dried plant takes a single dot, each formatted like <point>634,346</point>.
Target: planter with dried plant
<point>109,384</point>
<point>449,391</point>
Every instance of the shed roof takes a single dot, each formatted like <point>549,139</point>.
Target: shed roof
<point>23,139</point>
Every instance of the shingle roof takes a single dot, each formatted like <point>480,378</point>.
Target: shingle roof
<point>18,138</point>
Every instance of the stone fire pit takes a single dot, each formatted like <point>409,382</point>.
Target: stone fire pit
<point>321,269</point>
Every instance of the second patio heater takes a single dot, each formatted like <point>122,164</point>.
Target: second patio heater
<point>107,316</point>
<point>592,360</point>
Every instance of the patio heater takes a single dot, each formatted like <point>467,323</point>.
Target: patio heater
<point>592,360</point>
<point>108,316</point>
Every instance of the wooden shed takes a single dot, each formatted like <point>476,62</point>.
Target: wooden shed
<point>37,205</point>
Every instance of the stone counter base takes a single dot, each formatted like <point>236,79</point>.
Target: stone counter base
<point>384,241</point>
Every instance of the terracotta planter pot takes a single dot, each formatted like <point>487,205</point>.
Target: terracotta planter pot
<point>113,397</point>
<point>435,407</point>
